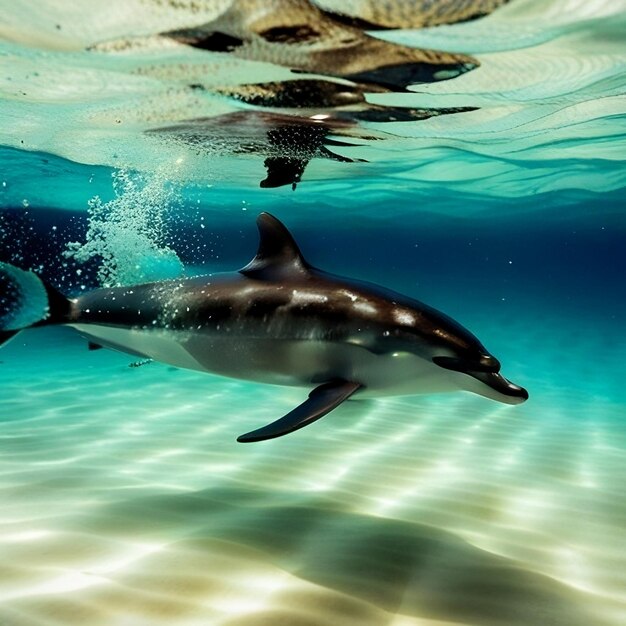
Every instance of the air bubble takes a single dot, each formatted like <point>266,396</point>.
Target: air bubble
<point>127,234</point>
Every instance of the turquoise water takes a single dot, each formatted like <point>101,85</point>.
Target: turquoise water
<point>126,499</point>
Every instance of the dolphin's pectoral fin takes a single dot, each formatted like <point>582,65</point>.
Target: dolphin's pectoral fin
<point>321,400</point>
<point>92,345</point>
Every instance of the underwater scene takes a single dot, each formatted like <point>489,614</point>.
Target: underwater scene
<point>313,313</point>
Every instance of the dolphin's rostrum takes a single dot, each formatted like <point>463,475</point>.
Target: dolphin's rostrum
<point>278,320</point>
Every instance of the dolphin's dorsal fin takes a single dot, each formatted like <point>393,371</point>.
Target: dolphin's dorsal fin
<point>278,254</point>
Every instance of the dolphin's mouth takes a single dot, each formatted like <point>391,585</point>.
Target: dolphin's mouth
<point>487,371</point>
<point>514,393</point>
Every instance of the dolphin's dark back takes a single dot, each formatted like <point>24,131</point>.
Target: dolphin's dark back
<point>279,295</point>
<point>303,305</point>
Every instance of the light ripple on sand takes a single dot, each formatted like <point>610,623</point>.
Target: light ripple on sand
<point>397,511</point>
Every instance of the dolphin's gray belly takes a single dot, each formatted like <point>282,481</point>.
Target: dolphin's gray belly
<point>283,362</point>
<point>276,361</point>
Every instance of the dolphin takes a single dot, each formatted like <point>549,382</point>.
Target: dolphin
<point>277,320</point>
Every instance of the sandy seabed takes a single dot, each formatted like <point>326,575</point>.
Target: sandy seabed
<point>126,500</point>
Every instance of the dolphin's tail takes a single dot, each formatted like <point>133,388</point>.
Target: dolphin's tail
<point>26,300</point>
